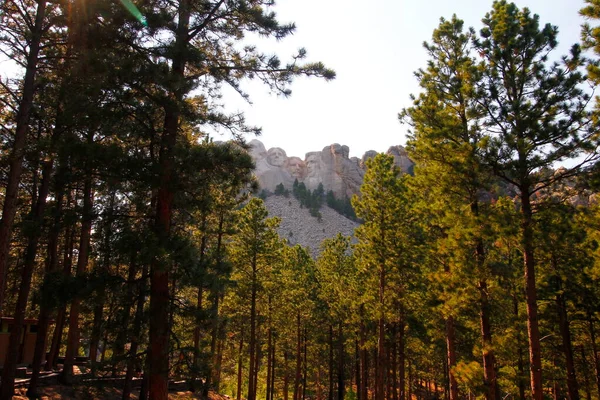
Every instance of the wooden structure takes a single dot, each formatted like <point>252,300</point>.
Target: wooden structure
<point>27,345</point>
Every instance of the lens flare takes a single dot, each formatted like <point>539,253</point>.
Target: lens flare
<point>134,11</point>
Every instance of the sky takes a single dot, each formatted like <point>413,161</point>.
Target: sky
<point>374,46</point>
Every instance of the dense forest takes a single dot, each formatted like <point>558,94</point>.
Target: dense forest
<point>131,237</point>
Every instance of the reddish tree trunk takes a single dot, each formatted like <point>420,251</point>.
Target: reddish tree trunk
<point>66,376</point>
<point>286,376</point>
<point>252,341</point>
<point>240,364</point>
<point>331,363</point>
<point>364,360</point>
<point>137,331</point>
<point>402,357</point>
<point>489,359</point>
<point>10,363</point>
<point>381,367</point>
<point>298,375</point>
<point>535,359</point>
<point>341,387</point>
<point>159,272</point>
<point>565,333</point>
<point>9,208</point>
<point>592,331</point>
<point>451,357</point>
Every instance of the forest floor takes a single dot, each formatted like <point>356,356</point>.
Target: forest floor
<point>112,391</point>
<point>87,388</point>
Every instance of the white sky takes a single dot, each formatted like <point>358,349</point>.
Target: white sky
<point>374,47</point>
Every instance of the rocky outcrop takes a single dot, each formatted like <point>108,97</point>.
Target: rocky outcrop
<point>299,227</point>
<point>332,167</point>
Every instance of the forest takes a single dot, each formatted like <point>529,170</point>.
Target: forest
<point>138,242</point>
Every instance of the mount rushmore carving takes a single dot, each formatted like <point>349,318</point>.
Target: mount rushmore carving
<point>331,166</point>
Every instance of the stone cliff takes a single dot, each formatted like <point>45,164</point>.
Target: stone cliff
<point>331,166</point>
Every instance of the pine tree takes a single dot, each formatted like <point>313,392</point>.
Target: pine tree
<point>536,117</point>
<point>381,206</point>
<point>447,146</point>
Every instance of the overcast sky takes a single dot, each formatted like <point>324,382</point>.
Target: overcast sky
<point>374,47</point>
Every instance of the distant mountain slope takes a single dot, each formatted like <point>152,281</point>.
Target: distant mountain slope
<point>299,227</point>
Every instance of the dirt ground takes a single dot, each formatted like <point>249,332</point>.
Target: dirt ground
<point>104,392</point>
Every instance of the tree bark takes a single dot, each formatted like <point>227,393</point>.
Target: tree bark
<point>381,367</point>
<point>402,357</point>
<point>240,364</point>
<point>66,376</point>
<point>16,334</point>
<point>159,272</point>
<point>590,318</point>
<point>298,375</point>
<point>341,378</point>
<point>269,352</point>
<point>364,359</point>
<point>9,208</point>
<point>331,363</point>
<point>489,359</point>
<point>252,341</point>
<point>60,319</point>
<point>138,320</point>
<point>451,357</point>
<point>286,376</point>
<point>565,333</point>
<point>535,360</point>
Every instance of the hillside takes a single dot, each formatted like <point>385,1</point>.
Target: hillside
<point>299,227</point>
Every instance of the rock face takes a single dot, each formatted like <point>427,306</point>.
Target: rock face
<point>331,167</point>
<point>299,227</point>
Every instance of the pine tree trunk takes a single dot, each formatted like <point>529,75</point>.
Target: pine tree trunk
<point>258,355</point>
<point>305,363</point>
<point>37,217</point>
<point>159,270</point>
<point>240,364</point>
<point>520,361</point>
<point>121,339</point>
<point>586,377</point>
<point>199,307</point>
<point>489,360</point>
<point>451,357</point>
<point>97,327</point>
<point>66,376</point>
<point>381,367</point>
<point>331,363</point>
<point>394,364</point>
<point>451,351</point>
<point>341,378</point>
<point>67,264</point>
<point>364,359</point>
<point>535,360</point>
<point>9,208</point>
<point>197,350</point>
<point>357,369</point>
<point>273,360</point>
<point>592,331</point>
<point>286,376</point>
<point>16,333</point>
<point>138,320</point>
<point>402,357</point>
<point>220,358</point>
<point>51,266</point>
<point>565,333</point>
<point>298,358</point>
<point>269,352</point>
<point>252,341</point>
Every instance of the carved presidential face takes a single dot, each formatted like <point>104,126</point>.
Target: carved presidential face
<point>312,165</point>
<point>296,167</point>
<point>276,157</point>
